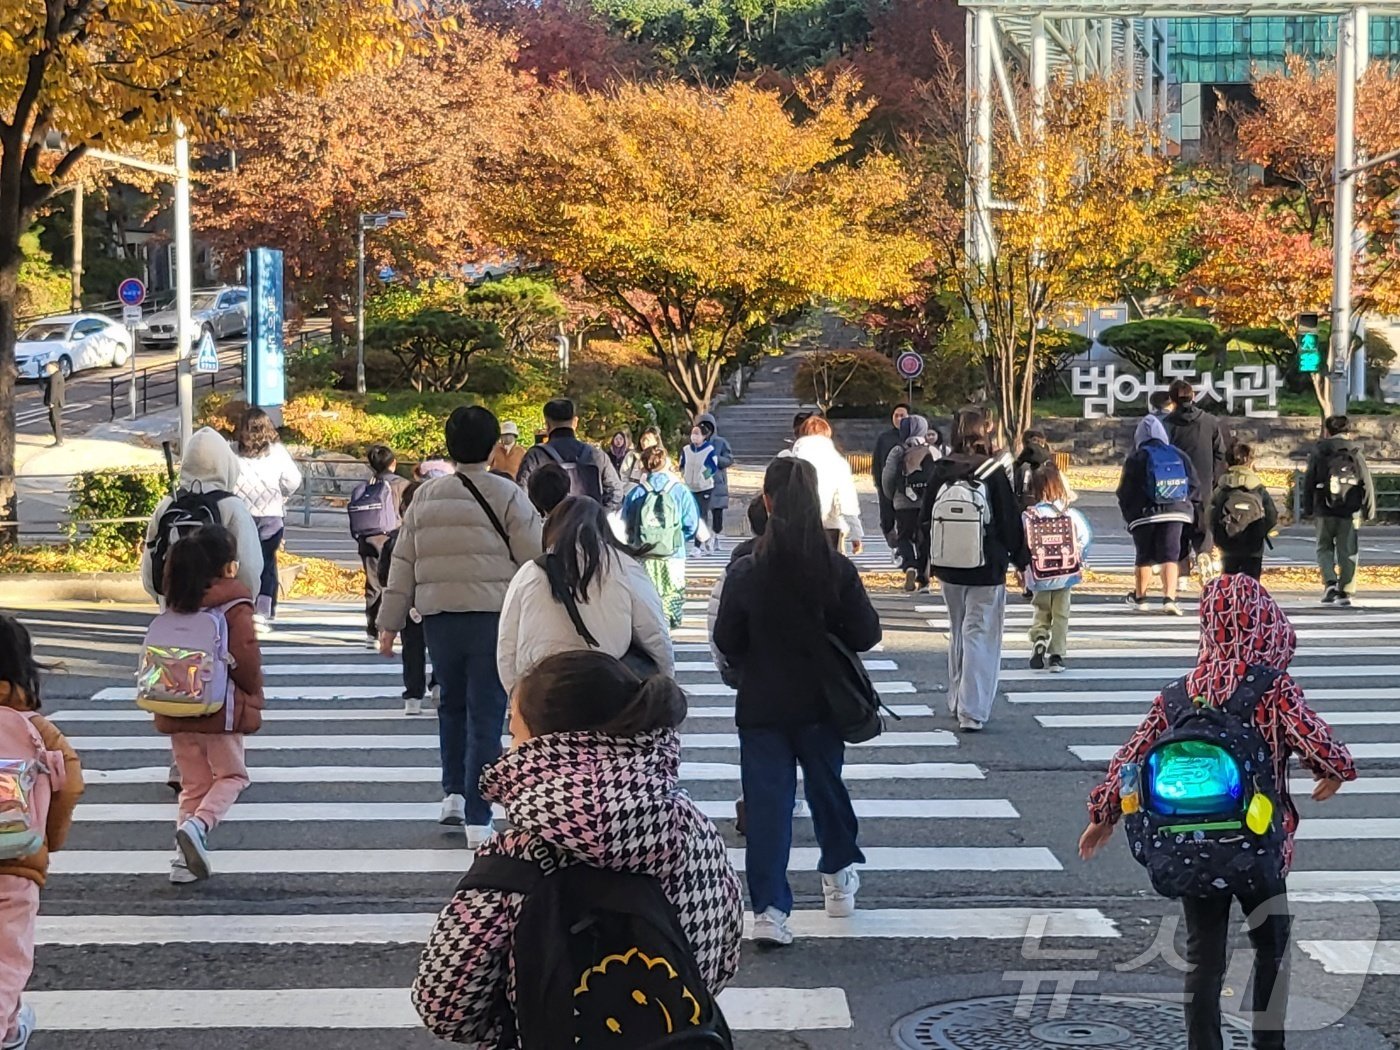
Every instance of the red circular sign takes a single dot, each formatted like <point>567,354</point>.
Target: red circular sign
<point>909,365</point>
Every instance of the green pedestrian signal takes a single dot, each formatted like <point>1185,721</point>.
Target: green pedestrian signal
<point>1309,347</point>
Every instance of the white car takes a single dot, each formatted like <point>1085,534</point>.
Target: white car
<point>221,312</point>
<point>76,341</point>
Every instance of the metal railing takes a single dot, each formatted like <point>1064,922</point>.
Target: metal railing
<point>1387,500</point>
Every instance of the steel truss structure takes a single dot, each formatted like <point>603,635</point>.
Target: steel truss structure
<point>1122,37</point>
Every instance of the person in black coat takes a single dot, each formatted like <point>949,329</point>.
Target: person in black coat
<point>53,399</point>
<point>777,611</point>
<point>1201,437</point>
<point>884,444</point>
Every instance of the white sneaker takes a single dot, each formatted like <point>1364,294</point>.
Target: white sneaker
<point>799,808</point>
<point>478,834</point>
<point>454,811</point>
<point>413,705</point>
<point>180,874</point>
<point>840,892</point>
<point>190,840</point>
<point>771,928</point>
<point>372,644</point>
<point>970,725</point>
<point>24,1028</point>
<point>437,695</point>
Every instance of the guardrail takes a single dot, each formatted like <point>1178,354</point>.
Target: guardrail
<point>1387,498</point>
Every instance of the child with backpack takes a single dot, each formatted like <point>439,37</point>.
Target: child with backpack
<point>1211,823</point>
<point>373,512</point>
<point>1339,494</point>
<point>201,676</point>
<point>700,468</point>
<point>904,478</point>
<point>413,645</point>
<point>1160,499</point>
<point>41,780</point>
<point>610,906</point>
<point>1058,538</point>
<point>662,515</point>
<point>1242,514</point>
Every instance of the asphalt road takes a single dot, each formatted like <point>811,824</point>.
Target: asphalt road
<point>972,888</point>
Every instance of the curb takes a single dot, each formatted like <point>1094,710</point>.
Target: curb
<point>31,588</point>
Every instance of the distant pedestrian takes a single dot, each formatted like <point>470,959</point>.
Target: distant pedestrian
<point>267,475</point>
<point>699,468</point>
<point>970,533</point>
<point>884,445</point>
<point>904,480</point>
<point>54,396</point>
<point>1057,539</point>
<point>779,611</point>
<point>435,466</point>
<point>588,591</point>
<point>1159,404</point>
<point>662,515</point>
<point>463,539</point>
<point>1035,453</point>
<point>591,787</point>
<point>623,455</point>
<point>373,512</point>
<point>508,454</point>
<point>1242,514</point>
<point>549,487</point>
<point>413,647</point>
<point>46,807</point>
<point>1200,436</point>
<point>724,459</point>
<point>1339,493</point>
<point>836,487</point>
<point>1160,500</point>
<point>201,574</point>
<point>591,472</point>
<point>1190,769</point>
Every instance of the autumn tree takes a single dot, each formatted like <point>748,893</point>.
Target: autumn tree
<point>407,136</point>
<point>89,73</point>
<point>565,42</point>
<point>1071,205</point>
<point>702,214</point>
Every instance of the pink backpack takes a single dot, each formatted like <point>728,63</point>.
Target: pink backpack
<point>29,776</point>
<point>185,663</point>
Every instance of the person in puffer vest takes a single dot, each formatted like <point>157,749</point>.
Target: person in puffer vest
<point>1242,627</point>
<point>592,778</point>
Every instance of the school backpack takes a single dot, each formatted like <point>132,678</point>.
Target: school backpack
<point>1242,510</point>
<point>1343,494</point>
<point>1165,477</point>
<point>1057,559</point>
<point>916,481</point>
<point>585,479</point>
<point>371,509</point>
<point>29,775</point>
<point>185,664</point>
<point>961,514</point>
<point>1201,808</point>
<point>651,522</point>
<point>187,511</point>
<point>600,961</point>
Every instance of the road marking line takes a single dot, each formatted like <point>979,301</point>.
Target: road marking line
<point>1321,886</point>
<point>1143,698</point>
<point>1167,672</point>
<point>1104,752</point>
<point>1302,786</point>
<point>1190,653</point>
<point>1131,721</point>
<point>1355,958</point>
<point>109,715</point>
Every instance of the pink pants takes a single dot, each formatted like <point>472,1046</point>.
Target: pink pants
<point>212,774</point>
<point>19,904</point>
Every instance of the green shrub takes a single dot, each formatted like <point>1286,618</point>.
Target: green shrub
<point>1146,342</point>
<point>98,494</point>
<point>848,379</point>
<point>434,346</point>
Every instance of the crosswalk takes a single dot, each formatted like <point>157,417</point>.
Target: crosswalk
<point>344,800</point>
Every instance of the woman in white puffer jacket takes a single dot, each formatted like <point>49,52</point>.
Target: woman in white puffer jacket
<point>836,486</point>
<point>267,475</point>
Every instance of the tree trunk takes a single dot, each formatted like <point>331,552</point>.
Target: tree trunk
<point>10,228</point>
<point>76,267</point>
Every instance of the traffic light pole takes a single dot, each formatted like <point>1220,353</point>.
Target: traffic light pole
<point>1343,224</point>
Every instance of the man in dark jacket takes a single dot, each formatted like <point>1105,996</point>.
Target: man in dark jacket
<point>1339,493</point>
<point>591,470</point>
<point>887,440</point>
<point>53,399</point>
<point>1199,435</point>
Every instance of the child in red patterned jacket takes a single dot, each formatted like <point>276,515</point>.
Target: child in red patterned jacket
<point>1242,627</point>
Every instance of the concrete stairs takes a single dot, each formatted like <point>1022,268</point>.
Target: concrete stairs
<point>760,426</point>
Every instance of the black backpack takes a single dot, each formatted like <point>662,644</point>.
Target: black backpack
<point>600,961</point>
<point>187,511</point>
<point>585,476</point>
<point>1202,809</point>
<point>1343,494</point>
<point>1242,510</point>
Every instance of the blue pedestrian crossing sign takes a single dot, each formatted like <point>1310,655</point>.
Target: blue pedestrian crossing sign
<point>206,354</point>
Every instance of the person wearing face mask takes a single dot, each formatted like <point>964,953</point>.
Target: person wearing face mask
<point>700,468</point>
<point>624,457</point>
<point>507,454</point>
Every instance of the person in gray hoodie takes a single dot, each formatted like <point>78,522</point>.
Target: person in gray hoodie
<point>904,477</point>
<point>724,459</point>
<point>1339,493</point>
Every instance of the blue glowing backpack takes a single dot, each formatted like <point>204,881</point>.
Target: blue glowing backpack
<point>1201,808</point>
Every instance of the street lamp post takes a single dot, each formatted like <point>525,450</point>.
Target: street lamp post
<point>368,221</point>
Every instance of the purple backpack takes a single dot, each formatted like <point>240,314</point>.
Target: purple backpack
<point>185,664</point>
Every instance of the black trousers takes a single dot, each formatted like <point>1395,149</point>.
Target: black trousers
<point>717,520</point>
<point>56,422</point>
<point>888,515</point>
<point>1242,564</point>
<point>267,587</point>
<point>1207,940</point>
<point>906,527</point>
<point>370,549</point>
<point>415,660</point>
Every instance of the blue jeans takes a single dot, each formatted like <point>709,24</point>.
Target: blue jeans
<point>768,760</point>
<point>472,708</point>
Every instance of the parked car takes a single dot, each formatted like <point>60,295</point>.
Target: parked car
<point>75,341</point>
<point>220,311</point>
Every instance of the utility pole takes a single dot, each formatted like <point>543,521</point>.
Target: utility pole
<point>360,311</point>
<point>76,266</point>
<point>1343,223</point>
<point>184,275</point>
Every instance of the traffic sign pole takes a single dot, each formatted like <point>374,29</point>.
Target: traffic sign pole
<point>132,293</point>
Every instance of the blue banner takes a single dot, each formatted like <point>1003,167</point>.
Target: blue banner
<point>264,372</point>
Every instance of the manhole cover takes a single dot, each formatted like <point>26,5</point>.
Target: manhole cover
<point>1088,1021</point>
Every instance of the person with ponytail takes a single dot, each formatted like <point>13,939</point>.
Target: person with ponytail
<point>592,778</point>
<point>779,611</point>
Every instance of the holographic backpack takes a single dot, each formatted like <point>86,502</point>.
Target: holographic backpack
<point>1200,809</point>
<point>185,662</point>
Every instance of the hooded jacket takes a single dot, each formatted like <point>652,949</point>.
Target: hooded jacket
<point>724,459</point>
<point>209,465</point>
<point>1197,433</point>
<point>579,798</point>
<point>1251,542</point>
<point>1242,627</point>
<point>886,443</point>
<point>35,867</point>
<point>1137,509</point>
<point>1314,478</point>
<point>836,488</point>
<point>912,451</point>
